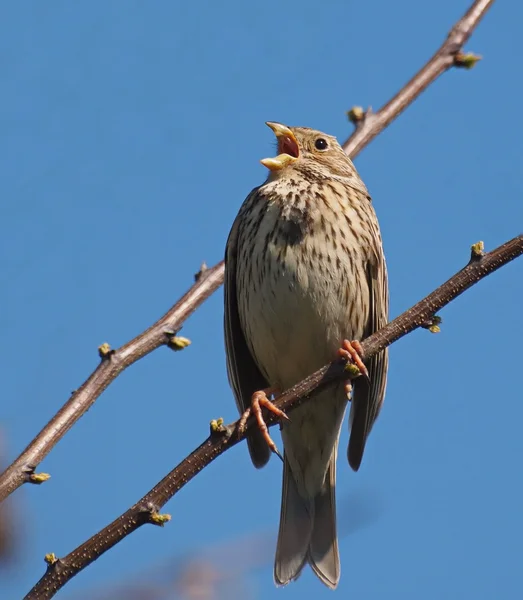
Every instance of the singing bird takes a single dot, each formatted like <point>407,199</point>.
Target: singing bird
<point>304,274</point>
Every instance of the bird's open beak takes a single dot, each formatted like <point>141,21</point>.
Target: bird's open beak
<point>288,149</point>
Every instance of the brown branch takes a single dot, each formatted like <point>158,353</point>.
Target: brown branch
<point>368,126</point>
<point>163,332</point>
<point>222,438</point>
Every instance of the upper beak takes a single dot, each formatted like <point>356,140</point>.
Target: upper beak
<point>288,148</point>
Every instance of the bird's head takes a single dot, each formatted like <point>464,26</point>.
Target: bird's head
<point>307,150</point>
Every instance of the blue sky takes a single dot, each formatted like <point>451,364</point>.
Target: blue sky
<point>131,133</point>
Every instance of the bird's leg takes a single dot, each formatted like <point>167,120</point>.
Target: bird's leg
<point>353,351</point>
<point>260,399</point>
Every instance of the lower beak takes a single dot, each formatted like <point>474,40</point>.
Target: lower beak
<point>286,141</point>
<point>278,162</point>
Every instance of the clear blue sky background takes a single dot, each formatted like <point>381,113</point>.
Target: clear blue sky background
<point>130,134</point>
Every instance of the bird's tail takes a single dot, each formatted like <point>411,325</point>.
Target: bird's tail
<point>308,531</point>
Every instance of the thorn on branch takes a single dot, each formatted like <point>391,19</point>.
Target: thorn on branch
<point>201,272</point>
<point>477,251</point>
<point>433,324</point>
<point>38,478</point>
<point>104,351</point>
<point>177,343</point>
<point>466,60</point>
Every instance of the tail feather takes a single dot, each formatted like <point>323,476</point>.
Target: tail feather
<point>296,520</point>
<point>323,547</point>
<point>308,532</point>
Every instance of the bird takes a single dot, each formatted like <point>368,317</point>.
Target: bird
<point>305,282</point>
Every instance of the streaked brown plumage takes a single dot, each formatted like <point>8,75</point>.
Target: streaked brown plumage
<point>305,270</point>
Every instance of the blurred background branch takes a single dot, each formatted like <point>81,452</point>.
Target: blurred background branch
<point>8,539</point>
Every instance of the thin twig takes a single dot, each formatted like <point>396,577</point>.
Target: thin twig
<point>60,571</point>
<point>22,470</point>
<point>369,124</point>
<point>163,332</point>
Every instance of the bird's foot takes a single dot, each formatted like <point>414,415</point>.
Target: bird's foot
<point>260,399</point>
<point>353,351</point>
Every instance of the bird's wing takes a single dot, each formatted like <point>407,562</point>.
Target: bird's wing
<point>369,394</point>
<point>244,376</point>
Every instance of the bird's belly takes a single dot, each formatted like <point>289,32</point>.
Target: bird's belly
<point>300,310</point>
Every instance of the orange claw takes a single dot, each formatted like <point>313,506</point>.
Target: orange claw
<point>259,400</point>
<point>353,351</point>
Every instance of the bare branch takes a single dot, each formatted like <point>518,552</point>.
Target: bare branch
<point>222,437</point>
<point>113,362</point>
<point>369,124</point>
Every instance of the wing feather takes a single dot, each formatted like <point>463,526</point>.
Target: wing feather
<point>244,376</point>
<point>369,394</point>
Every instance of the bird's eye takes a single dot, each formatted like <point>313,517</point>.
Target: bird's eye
<point>321,144</point>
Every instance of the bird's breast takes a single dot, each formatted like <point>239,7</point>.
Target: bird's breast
<point>300,286</point>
